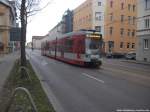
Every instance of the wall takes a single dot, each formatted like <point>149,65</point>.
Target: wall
<point>82,16</point>
<point>116,23</point>
<point>101,9</point>
<point>143,32</point>
<point>4,25</point>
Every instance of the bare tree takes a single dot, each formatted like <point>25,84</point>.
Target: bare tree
<point>27,8</point>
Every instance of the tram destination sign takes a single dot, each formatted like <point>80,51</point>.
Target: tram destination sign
<point>95,36</point>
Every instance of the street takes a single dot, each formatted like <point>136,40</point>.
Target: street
<point>117,85</point>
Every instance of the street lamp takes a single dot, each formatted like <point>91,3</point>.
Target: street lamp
<point>56,48</point>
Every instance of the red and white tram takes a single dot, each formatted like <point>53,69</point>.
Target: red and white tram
<point>80,48</point>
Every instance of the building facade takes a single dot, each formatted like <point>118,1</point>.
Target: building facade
<point>143,31</point>
<point>120,26</point>
<point>29,45</point>
<point>36,41</point>
<point>89,15</point>
<point>7,21</point>
<point>55,32</point>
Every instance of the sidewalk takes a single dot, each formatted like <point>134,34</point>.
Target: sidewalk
<point>137,62</point>
<point>6,64</point>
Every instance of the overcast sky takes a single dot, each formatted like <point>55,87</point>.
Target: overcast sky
<point>45,20</point>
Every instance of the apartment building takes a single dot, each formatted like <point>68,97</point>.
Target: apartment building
<point>143,31</point>
<point>120,26</point>
<point>89,15</point>
<point>7,21</point>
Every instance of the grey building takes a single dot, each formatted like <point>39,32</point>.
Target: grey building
<point>67,21</point>
<point>143,31</point>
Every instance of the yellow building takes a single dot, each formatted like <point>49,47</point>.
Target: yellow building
<point>83,16</point>
<point>6,21</point>
<point>89,15</point>
<point>120,26</point>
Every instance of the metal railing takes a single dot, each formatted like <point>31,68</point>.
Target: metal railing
<point>26,70</point>
<point>22,89</point>
<point>13,96</point>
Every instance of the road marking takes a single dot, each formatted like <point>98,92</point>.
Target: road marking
<point>91,77</point>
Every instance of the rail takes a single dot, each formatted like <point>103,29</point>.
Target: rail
<point>27,93</point>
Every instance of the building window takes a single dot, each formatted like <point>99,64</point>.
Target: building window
<point>111,4</point>
<point>133,45</point>
<point>0,37</point>
<point>99,3</point>
<point>129,19</point>
<point>147,23</point>
<point>146,44</point>
<point>90,17</point>
<point>121,31</point>
<point>133,8</point>
<point>98,28</point>
<point>128,45</point>
<point>110,30</point>
<point>147,4</point>
<point>129,7</point>
<point>111,17</point>
<point>98,16</point>
<point>121,44</point>
<point>134,18</point>
<point>122,18</point>
<point>122,6</point>
<point>129,32</point>
<point>133,33</point>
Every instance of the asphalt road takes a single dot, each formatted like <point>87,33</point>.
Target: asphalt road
<point>116,86</point>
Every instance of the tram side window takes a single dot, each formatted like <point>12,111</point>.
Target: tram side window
<point>81,45</point>
<point>47,45</point>
<point>53,47</point>
<point>68,45</point>
<point>59,46</point>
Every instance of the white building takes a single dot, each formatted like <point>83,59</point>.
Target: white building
<point>143,31</point>
<point>89,16</point>
<point>56,32</point>
<point>98,8</point>
<point>36,41</point>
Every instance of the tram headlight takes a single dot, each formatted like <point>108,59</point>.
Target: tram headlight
<point>87,55</point>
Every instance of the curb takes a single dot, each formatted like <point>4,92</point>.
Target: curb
<point>143,63</point>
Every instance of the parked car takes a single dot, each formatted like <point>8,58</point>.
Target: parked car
<point>115,55</point>
<point>130,55</point>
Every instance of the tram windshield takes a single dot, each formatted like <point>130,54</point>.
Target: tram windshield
<point>92,43</point>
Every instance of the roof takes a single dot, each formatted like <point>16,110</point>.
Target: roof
<point>38,37</point>
<point>4,2</point>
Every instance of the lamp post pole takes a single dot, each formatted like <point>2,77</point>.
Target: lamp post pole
<point>56,48</point>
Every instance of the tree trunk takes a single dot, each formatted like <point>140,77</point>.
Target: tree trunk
<point>23,32</point>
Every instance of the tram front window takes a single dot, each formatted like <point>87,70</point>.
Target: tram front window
<point>93,44</point>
